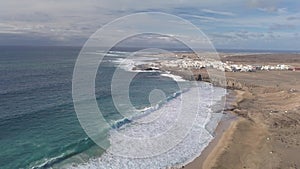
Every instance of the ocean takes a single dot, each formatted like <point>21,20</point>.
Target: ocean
<point>39,126</point>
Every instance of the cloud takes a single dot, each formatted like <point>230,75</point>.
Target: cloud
<point>73,21</point>
<point>205,18</point>
<point>150,40</point>
<point>218,12</point>
<point>9,29</point>
<point>255,40</point>
<point>282,26</point>
<point>292,18</point>
<point>274,9</point>
<point>268,6</point>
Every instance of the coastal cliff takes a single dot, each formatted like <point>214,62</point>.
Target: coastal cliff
<point>203,75</point>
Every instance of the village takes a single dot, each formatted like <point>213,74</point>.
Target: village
<point>188,63</point>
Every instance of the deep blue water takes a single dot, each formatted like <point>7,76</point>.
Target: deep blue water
<point>38,124</point>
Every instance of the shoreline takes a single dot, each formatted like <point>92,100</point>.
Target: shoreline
<point>220,131</point>
<point>268,112</point>
<point>223,131</point>
<point>225,127</point>
<point>260,97</point>
<point>231,146</point>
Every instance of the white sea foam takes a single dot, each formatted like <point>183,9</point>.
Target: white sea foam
<point>157,122</point>
<point>128,64</point>
<point>125,64</point>
<point>174,77</point>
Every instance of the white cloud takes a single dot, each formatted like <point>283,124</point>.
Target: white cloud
<point>272,6</point>
<point>218,12</point>
<point>66,20</point>
<point>206,18</point>
<point>255,40</point>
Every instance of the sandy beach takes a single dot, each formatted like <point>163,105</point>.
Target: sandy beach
<point>266,133</point>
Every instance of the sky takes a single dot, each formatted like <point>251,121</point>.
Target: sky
<point>228,24</point>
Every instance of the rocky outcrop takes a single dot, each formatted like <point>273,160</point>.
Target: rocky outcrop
<point>201,75</point>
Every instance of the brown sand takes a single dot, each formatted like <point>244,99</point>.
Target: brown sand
<point>223,126</point>
<point>267,133</point>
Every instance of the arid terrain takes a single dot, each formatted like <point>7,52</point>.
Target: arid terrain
<point>266,134</point>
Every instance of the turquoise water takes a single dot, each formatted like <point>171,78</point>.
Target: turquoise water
<point>38,124</point>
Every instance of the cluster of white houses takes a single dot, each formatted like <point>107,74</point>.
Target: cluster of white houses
<point>229,67</point>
